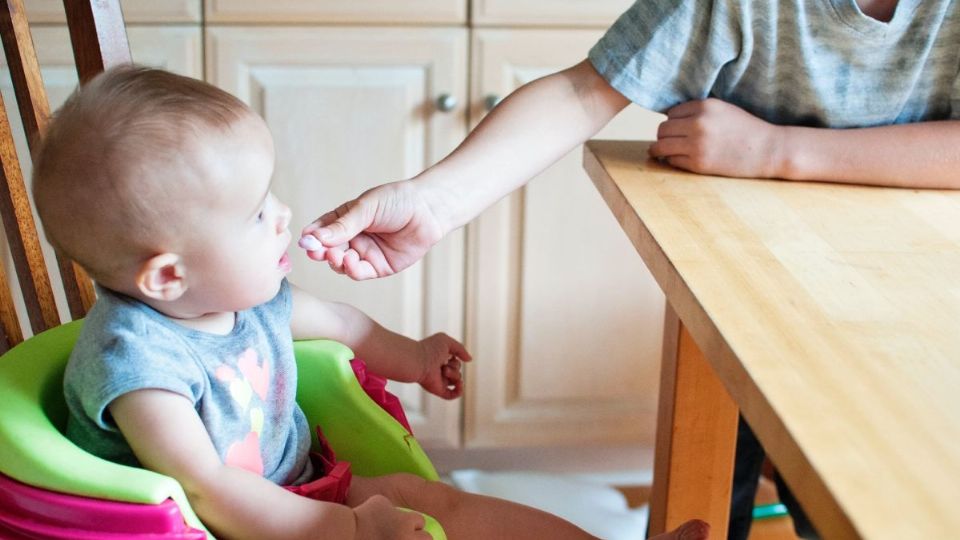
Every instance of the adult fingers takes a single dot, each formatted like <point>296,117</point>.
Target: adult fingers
<point>321,221</point>
<point>372,253</point>
<point>678,127</point>
<point>671,146</point>
<point>685,109</point>
<point>334,255</point>
<point>315,250</point>
<point>310,234</point>
<point>683,162</point>
<point>352,218</point>
<point>319,255</point>
<point>357,268</point>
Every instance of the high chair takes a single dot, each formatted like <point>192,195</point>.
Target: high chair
<point>50,488</point>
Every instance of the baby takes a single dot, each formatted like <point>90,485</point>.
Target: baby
<point>159,186</point>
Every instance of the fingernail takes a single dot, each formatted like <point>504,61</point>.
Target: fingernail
<point>309,243</point>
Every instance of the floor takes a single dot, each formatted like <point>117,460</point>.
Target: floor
<point>767,529</point>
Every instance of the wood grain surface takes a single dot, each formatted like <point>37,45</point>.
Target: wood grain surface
<point>830,313</point>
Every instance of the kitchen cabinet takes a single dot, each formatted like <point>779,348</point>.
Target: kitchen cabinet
<point>134,11</point>
<point>540,13</point>
<point>565,323</point>
<point>325,11</point>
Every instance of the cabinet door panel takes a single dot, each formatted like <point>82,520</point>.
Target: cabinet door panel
<point>134,11</point>
<point>351,108</point>
<point>176,48</point>
<point>563,317</point>
<point>363,11</point>
<point>598,13</point>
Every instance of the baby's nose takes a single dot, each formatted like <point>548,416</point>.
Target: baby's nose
<point>284,221</point>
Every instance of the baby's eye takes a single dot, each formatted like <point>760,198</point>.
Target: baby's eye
<point>259,216</point>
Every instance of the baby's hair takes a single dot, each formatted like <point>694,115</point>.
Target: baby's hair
<point>110,167</point>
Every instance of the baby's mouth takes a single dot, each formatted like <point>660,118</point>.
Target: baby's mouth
<point>284,263</point>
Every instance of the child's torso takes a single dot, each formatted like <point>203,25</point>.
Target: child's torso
<point>243,385</point>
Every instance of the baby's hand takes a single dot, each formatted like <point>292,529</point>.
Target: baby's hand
<point>442,356</point>
<point>378,519</point>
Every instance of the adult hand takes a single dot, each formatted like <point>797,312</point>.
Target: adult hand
<point>383,231</point>
<point>714,137</point>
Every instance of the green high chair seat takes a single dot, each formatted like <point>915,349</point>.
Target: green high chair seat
<point>34,451</point>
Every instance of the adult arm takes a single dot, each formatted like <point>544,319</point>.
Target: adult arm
<point>715,137</point>
<point>392,226</point>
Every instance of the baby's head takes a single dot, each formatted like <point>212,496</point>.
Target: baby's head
<point>158,186</point>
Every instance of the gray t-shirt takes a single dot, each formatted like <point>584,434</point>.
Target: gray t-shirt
<point>818,63</point>
<point>243,385</point>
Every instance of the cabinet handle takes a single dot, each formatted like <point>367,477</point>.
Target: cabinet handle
<point>491,101</point>
<point>446,102</point>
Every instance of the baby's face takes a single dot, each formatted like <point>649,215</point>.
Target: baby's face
<point>239,257</point>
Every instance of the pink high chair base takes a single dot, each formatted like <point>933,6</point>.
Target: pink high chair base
<point>29,513</point>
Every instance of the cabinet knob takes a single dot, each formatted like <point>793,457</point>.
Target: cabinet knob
<point>491,101</point>
<point>446,102</point>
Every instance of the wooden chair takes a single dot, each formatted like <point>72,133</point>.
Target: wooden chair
<point>49,487</point>
<point>99,41</point>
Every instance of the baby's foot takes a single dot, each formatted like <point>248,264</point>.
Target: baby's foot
<point>694,529</point>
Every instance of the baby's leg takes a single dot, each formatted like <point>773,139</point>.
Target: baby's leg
<point>465,515</point>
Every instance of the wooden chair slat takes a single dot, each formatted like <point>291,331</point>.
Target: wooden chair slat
<point>22,235</point>
<point>98,35</point>
<point>10,332</point>
<point>99,41</point>
<point>24,69</point>
<point>35,111</point>
<point>77,286</point>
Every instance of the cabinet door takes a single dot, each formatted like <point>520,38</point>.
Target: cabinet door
<point>134,11</point>
<point>563,318</point>
<point>600,13</point>
<point>351,108</point>
<point>176,48</point>
<point>362,11</point>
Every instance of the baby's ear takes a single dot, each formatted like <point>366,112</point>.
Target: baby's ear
<point>162,277</point>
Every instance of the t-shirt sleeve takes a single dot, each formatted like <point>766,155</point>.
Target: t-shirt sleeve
<point>955,99</point>
<point>659,54</point>
<point>126,360</point>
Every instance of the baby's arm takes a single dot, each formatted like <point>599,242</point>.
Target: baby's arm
<point>168,437</point>
<point>434,362</point>
<point>715,137</point>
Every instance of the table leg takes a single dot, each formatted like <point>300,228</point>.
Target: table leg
<point>696,438</point>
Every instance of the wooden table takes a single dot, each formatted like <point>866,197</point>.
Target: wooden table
<point>830,314</point>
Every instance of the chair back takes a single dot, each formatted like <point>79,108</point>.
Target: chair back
<point>99,41</point>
